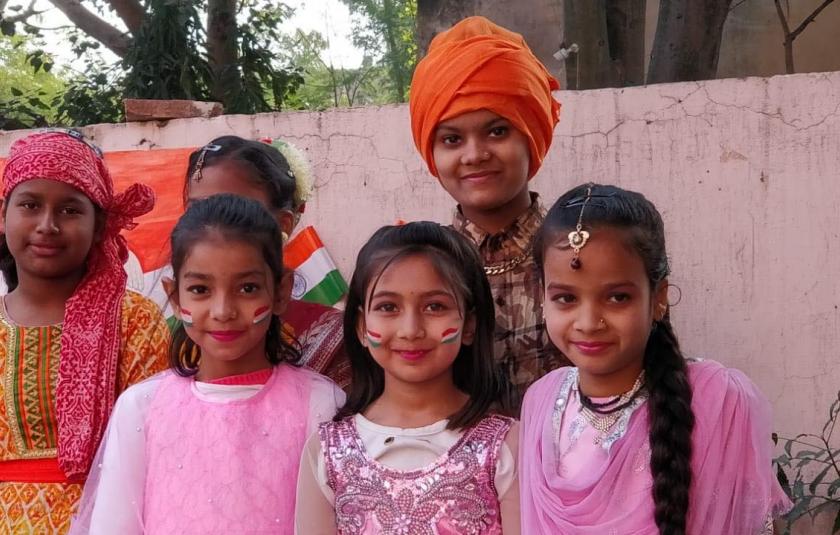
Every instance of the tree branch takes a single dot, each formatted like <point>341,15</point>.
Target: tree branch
<point>795,33</point>
<point>23,15</point>
<point>782,18</point>
<point>117,41</point>
<point>131,12</point>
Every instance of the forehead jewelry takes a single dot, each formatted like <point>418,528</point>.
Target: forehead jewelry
<point>196,176</point>
<point>579,237</point>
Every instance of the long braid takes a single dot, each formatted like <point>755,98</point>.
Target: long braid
<point>671,425</point>
<point>666,376</point>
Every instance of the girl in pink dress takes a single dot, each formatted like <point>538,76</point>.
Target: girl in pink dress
<point>417,448</point>
<point>213,446</point>
<point>635,440</point>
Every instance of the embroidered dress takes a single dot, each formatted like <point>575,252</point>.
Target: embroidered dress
<point>522,346</point>
<point>577,480</point>
<point>182,456</point>
<point>35,496</point>
<point>454,495</point>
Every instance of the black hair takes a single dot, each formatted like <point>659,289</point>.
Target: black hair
<point>271,169</point>
<point>474,370</point>
<point>671,419</point>
<point>237,219</point>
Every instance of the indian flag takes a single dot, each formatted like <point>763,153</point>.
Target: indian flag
<point>317,280</point>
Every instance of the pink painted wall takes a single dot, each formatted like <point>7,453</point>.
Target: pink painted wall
<point>746,173</point>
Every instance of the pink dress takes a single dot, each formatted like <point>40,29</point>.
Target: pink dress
<point>455,495</point>
<point>197,464</point>
<point>577,481</point>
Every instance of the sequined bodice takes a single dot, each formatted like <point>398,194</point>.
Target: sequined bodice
<point>455,495</point>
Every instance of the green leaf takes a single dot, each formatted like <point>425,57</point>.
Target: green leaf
<point>817,480</point>
<point>7,27</point>
<point>783,480</point>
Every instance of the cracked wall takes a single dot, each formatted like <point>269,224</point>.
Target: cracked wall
<point>746,173</point>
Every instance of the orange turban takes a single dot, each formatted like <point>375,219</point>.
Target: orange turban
<point>478,65</point>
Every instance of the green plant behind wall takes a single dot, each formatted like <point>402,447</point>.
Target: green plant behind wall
<point>809,472</point>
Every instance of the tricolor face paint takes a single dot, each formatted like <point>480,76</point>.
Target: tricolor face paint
<point>186,317</point>
<point>450,335</point>
<point>262,314</point>
<point>373,338</point>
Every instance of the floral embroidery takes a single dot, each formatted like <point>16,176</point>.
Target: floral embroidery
<point>456,494</point>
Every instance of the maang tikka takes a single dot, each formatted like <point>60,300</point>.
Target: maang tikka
<point>579,237</point>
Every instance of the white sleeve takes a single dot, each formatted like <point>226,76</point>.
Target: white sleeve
<point>325,399</point>
<point>112,501</point>
<point>507,482</point>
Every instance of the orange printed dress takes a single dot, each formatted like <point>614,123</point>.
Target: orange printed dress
<point>35,497</point>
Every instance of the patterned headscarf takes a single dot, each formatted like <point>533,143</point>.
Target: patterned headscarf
<point>478,65</point>
<point>90,338</point>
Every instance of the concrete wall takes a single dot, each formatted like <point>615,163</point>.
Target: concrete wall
<point>746,173</point>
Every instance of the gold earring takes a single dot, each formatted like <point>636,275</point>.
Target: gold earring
<point>284,236</point>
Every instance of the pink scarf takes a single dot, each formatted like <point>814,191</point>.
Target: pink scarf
<point>734,490</point>
<point>90,339</point>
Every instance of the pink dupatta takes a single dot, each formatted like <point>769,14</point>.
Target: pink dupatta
<point>734,490</point>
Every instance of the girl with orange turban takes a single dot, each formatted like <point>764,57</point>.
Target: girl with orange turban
<point>482,116</point>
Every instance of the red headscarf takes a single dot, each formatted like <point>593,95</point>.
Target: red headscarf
<point>90,338</point>
<point>478,65</point>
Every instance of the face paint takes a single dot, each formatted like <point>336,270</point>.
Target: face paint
<point>450,335</point>
<point>374,339</point>
<point>186,317</point>
<point>262,314</point>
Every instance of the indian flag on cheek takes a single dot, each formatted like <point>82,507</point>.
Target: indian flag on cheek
<point>374,339</point>
<point>262,314</point>
<point>317,279</point>
<point>450,335</point>
<point>186,317</point>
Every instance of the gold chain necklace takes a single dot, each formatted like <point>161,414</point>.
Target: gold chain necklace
<point>604,422</point>
<point>507,265</point>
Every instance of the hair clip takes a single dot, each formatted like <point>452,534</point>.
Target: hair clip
<point>199,164</point>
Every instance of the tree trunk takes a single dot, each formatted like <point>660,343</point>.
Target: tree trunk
<point>391,42</point>
<point>586,26</point>
<point>131,12</point>
<point>222,50</point>
<point>687,40</point>
<point>435,16</point>
<point>116,41</point>
<point>626,35</point>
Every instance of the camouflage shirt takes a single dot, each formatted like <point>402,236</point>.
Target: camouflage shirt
<point>522,346</point>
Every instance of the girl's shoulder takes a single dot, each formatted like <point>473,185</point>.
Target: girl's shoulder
<point>325,396</point>
<point>720,394</point>
<point>134,301</point>
<point>140,312</point>
<point>704,375</point>
<point>140,395</point>
<point>548,382</point>
<point>314,380</point>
